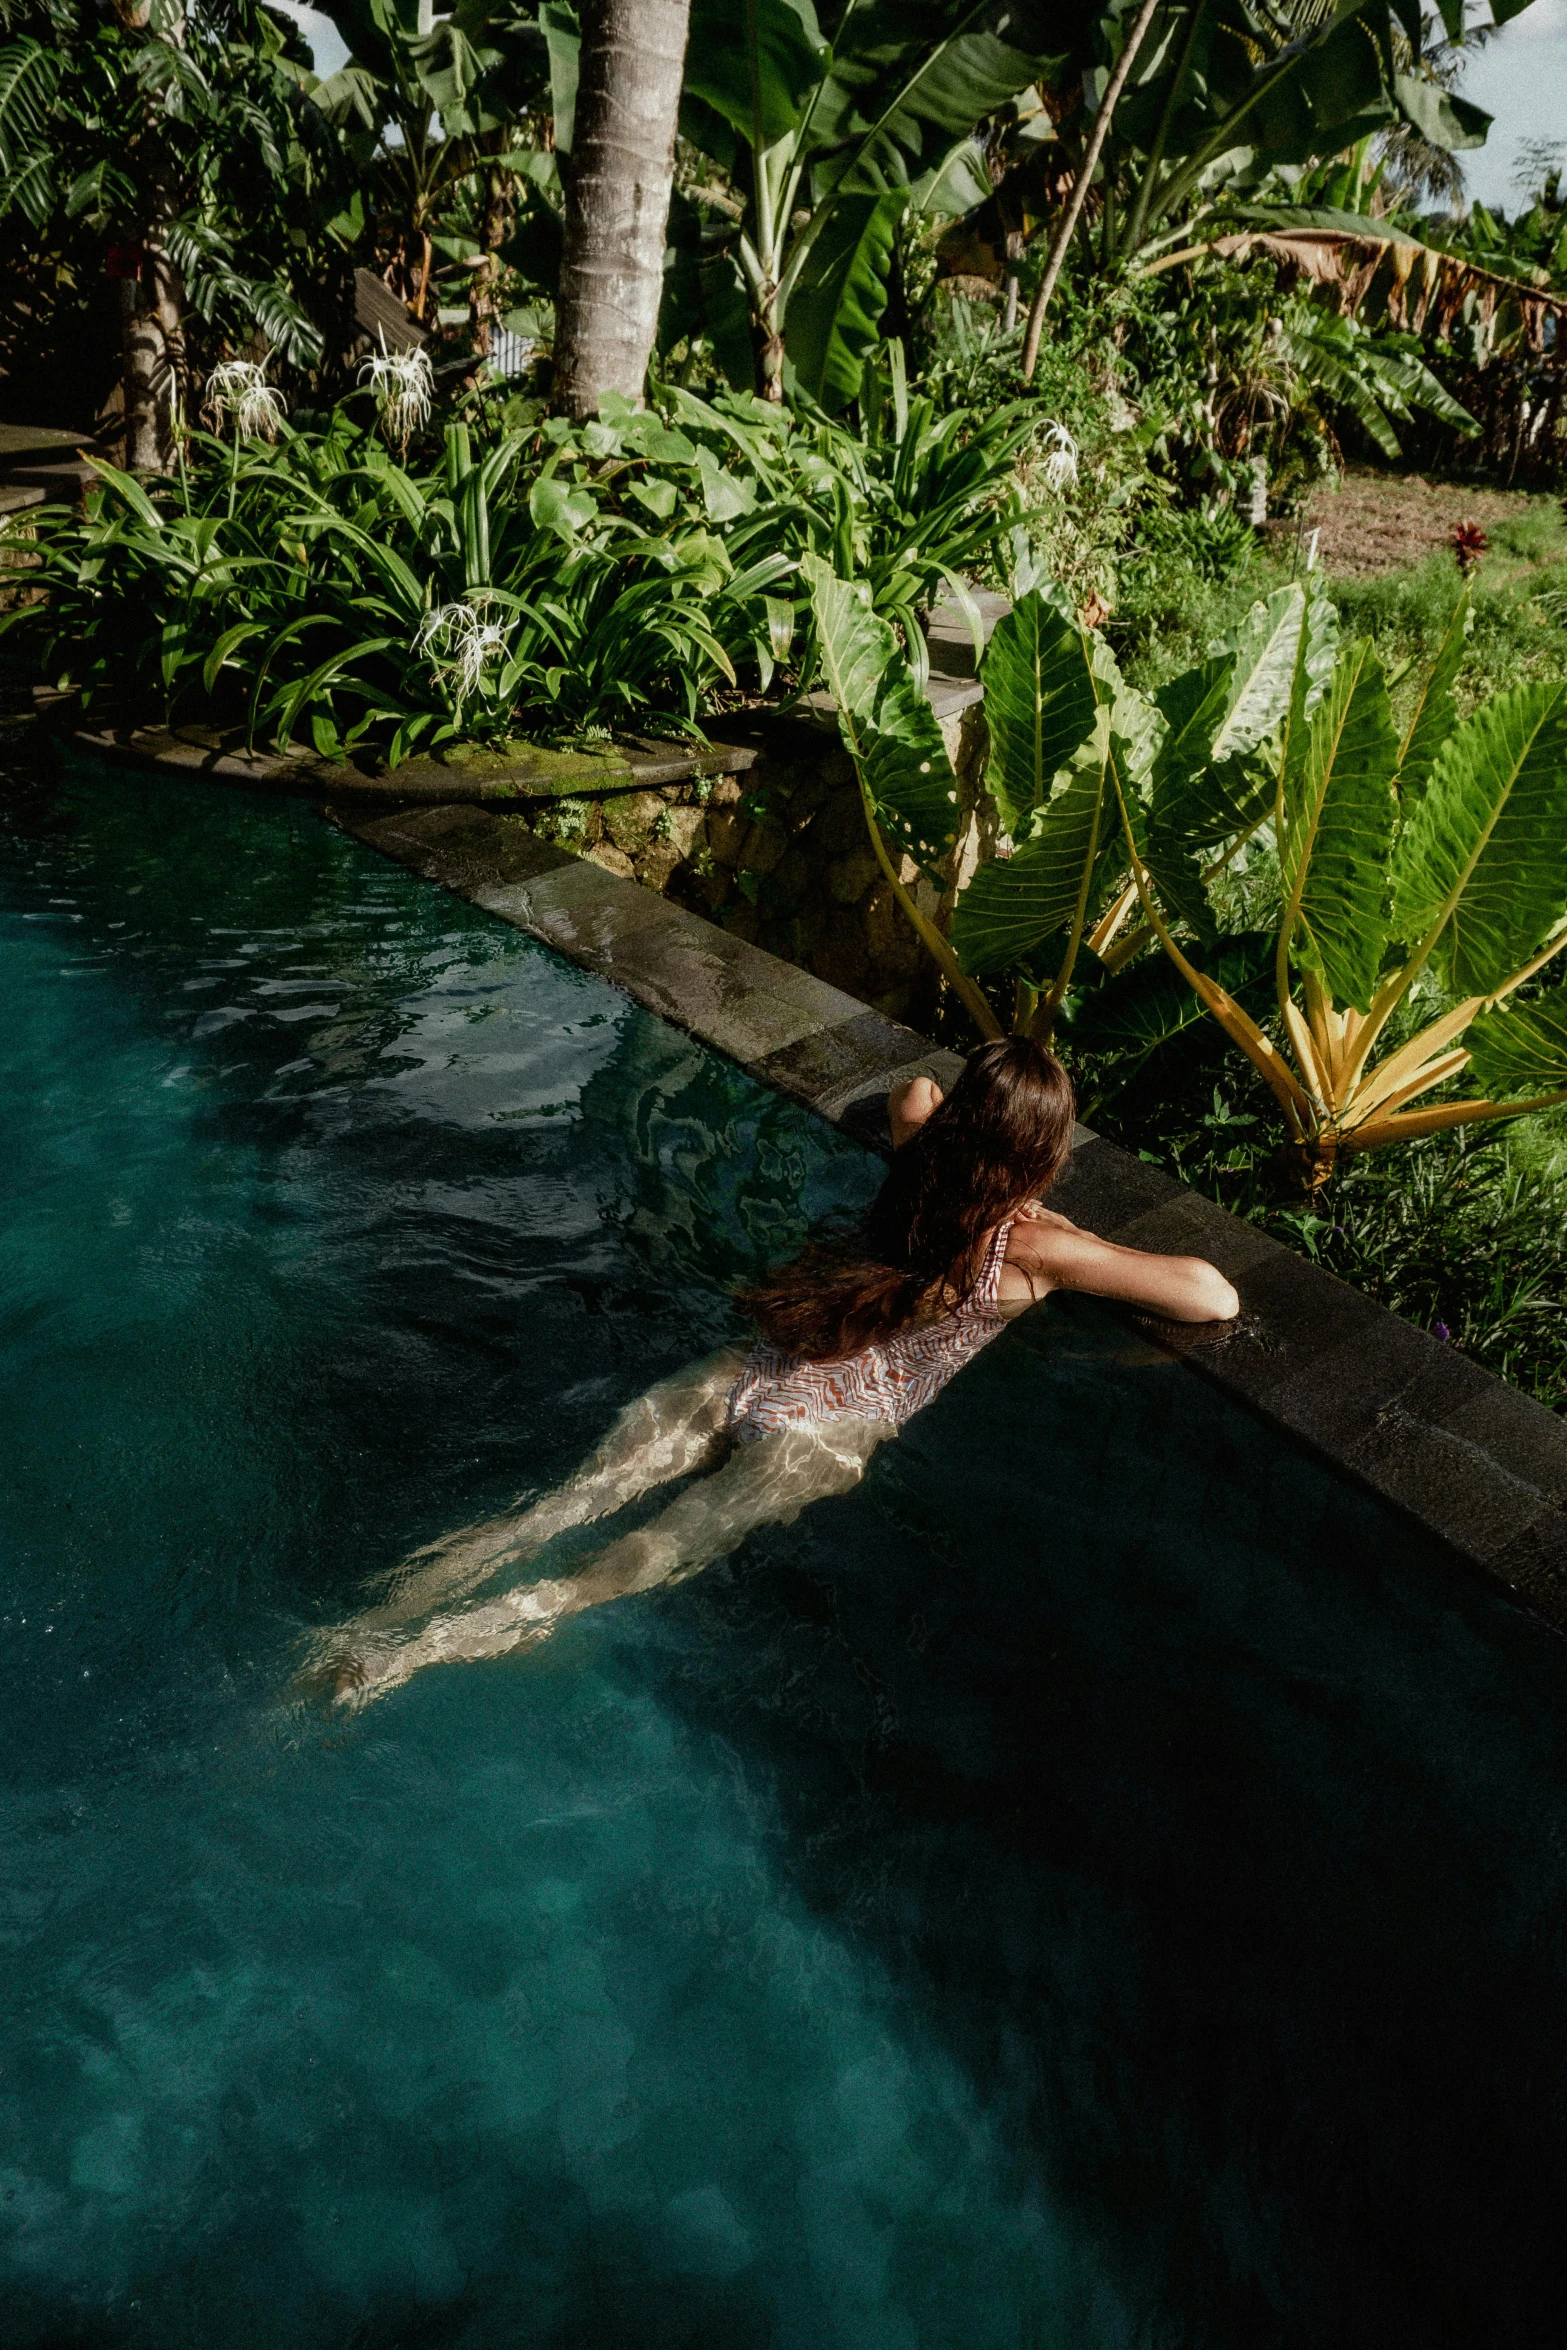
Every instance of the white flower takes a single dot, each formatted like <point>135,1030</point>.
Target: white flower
<point>239,389</point>
<point>404,385</point>
<point>1060,467</point>
<point>462,640</point>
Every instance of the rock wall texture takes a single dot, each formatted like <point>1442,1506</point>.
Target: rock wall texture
<point>779,856</point>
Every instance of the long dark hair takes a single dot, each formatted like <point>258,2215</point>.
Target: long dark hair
<point>1001,1137</point>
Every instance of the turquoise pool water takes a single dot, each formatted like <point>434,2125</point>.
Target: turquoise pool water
<point>1102,1884</point>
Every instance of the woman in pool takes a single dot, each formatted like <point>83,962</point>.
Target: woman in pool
<point>855,1338</point>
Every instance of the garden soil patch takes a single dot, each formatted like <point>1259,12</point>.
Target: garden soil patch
<point>1385,522</point>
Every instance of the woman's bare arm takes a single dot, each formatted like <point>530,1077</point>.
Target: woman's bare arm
<point>1047,1252</point>
<point>908,1107</point>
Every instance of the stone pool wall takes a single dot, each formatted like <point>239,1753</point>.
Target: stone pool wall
<point>778,855</point>
<point>761,833</point>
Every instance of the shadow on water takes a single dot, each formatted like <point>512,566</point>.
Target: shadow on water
<point>1214,1821</point>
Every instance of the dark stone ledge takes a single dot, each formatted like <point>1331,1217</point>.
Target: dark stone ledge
<point>470,775</point>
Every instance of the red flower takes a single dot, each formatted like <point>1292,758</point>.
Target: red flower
<point>1469,544</point>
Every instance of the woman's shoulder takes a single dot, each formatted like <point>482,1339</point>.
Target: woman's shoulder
<point>1034,1238</point>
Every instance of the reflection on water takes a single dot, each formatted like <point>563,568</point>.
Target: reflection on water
<point>1098,1884</point>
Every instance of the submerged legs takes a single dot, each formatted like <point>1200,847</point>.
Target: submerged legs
<point>763,1483</point>
<point>675,1428</point>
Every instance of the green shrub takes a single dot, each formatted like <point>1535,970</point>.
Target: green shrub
<point>538,578</point>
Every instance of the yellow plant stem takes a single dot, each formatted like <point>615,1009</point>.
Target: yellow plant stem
<point>1440,1033</point>
<point>1044,1020</point>
<point>1102,937</point>
<point>927,933</point>
<point>1259,1050</point>
<point>1414,1123</point>
<point>1115,953</point>
<point>1362,1111</point>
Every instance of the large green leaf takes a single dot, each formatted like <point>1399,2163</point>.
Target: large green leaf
<point>890,730</point>
<point>1315,656</point>
<point>1407,384</point>
<point>836,307</point>
<point>857,648</point>
<point>756,63</point>
<point>1435,713</point>
<point>957,184</point>
<point>1042,696</point>
<point>906,771</point>
<point>558,22</point>
<point>1337,831</point>
<point>1519,1050</point>
<point>1442,117</point>
<point>1014,903</point>
<point>1219,712</point>
<point>910,76</point>
<point>1328,360</point>
<point>1480,872</point>
<point>1150,1004</point>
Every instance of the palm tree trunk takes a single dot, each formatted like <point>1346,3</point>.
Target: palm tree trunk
<point>617,198</point>
<point>152,359</point>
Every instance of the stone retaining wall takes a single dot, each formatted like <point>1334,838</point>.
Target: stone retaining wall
<point>778,856</point>
<point>762,834</point>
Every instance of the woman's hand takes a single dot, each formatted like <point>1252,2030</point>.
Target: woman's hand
<point>908,1107</point>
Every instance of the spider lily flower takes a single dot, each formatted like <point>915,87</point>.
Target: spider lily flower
<point>404,385</point>
<point>237,389</point>
<point>1060,466</point>
<point>462,640</point>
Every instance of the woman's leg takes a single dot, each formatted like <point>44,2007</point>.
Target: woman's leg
<point>674,1429</point>
<point>765,1483</point>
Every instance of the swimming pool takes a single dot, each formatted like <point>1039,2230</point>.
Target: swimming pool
<point>1102,1883</point>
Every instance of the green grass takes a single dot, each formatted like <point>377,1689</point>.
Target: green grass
<point>1170,607</point>
<point>1520,607</point>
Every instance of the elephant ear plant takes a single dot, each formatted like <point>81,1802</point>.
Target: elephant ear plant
<point>1417,878</point>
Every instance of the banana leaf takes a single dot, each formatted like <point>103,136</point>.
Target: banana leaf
<point>836,308</point>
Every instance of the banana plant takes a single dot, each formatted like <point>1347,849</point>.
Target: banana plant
<point>832,137</point>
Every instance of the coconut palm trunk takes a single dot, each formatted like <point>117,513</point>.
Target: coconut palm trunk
<point>617,198</point>
<point>152,359</point>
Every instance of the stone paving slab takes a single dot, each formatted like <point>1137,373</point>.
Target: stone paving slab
<point>1470,1459</point>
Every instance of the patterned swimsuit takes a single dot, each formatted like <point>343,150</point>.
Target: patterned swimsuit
<point>890,1381</point>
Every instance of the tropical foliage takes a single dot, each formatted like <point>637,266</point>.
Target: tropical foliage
<point>536,578</point>
<point>833,139</point>
<point>1414,881</point>
<point>183,127</point>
